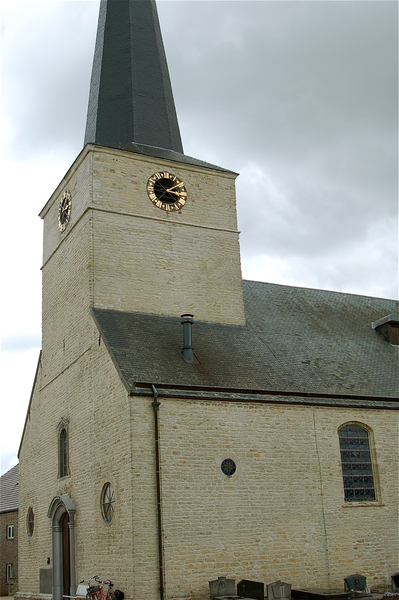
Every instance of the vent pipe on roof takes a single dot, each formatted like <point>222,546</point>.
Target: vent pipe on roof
<point>187,322</point>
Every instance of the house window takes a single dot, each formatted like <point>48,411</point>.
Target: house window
<point>63,450</point>
<point>9,572</point>
<point>357,468</point>
<point>10,532</point>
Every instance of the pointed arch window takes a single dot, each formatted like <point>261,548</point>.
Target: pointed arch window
<point>63,449</point>
<point>356,462</point>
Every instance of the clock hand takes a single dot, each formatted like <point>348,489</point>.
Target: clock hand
<point>172,188</point>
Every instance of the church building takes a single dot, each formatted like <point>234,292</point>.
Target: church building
<point>185,424</point>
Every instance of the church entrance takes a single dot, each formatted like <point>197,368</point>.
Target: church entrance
<point>62,514</point>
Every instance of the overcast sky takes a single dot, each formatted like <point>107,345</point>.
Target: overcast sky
<point>299,97</point>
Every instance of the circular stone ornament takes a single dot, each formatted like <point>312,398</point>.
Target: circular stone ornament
<point>64,210</point>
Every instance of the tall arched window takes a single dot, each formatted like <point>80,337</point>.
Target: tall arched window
<point>63,450</point>
<point>357,468</point>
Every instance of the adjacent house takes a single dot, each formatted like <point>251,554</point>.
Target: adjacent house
<point>9,532</point>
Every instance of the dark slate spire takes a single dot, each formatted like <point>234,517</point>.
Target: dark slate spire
<point>131,100</point>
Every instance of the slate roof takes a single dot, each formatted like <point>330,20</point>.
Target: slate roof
<point>9,490</point>
<point>131,105</point>
<point>131,97</point>
<point>296,341</point>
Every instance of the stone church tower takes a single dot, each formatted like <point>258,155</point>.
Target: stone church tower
<point>114,237</point>
<point>259,442</point>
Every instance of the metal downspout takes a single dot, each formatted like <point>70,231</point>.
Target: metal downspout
<point>155,406</point>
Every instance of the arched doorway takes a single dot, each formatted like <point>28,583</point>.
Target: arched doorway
<point>62,514</point>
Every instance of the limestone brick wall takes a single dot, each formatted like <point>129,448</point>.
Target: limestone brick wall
<point>67,285</point>
<point>165,271</point>
<point>150,260</point>
<point>91,398</point>
<point>193,254</point>
<point>78,180</point>
<point>120,181</point>
<point>282,515</point>
<point>35,467</point>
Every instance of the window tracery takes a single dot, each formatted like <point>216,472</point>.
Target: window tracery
<point>356,462</point>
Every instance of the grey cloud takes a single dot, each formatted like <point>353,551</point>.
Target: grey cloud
<point>305,91</point>
<point>21,343</point>
<point>48,79</point>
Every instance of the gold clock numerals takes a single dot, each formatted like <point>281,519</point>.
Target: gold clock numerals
<point>166,191</point>
<point>64,210</point>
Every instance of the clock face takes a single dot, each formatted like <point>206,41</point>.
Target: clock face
<point>64,210</point>
<point>166,191</point>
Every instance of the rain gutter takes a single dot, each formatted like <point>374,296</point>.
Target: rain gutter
<point>155,405</point>
<point>266,396</point>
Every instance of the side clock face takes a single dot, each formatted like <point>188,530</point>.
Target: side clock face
<point>64,210</point>
<point>166,191</point>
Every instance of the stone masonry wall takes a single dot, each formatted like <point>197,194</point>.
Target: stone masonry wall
<point>152,261</point>
<point>91,398</point>
<point>78,181</point>
<point>282,515</point>
<point>67,285</point>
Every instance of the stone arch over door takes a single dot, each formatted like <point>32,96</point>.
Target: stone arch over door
<point>62,514</point>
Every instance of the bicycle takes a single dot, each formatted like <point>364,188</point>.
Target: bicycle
<point>98,592</point>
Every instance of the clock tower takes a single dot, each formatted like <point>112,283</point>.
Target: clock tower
<point>136,225</point>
